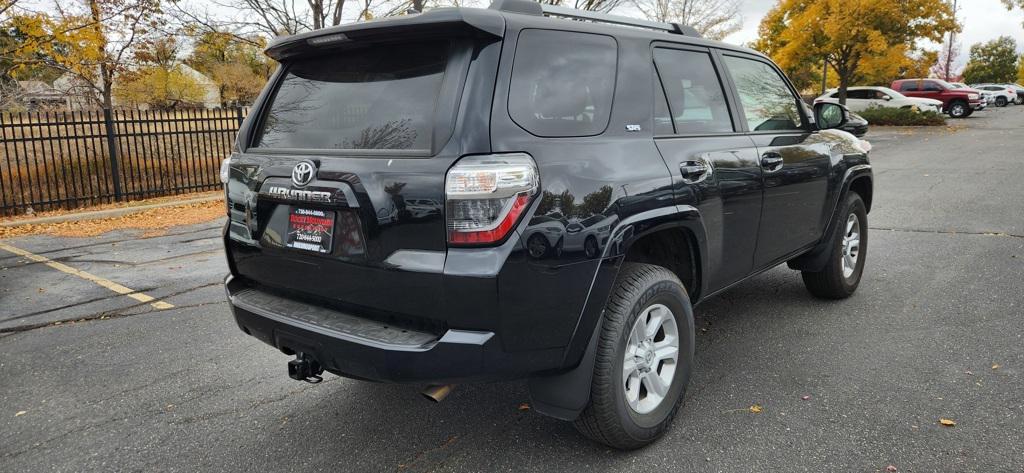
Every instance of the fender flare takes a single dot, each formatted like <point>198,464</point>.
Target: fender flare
<point>816,259</point>
<point>566,394</point>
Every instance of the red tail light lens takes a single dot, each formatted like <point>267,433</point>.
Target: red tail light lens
<point>486,195</point>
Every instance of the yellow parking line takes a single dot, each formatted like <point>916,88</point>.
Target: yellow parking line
<point>113,286</point>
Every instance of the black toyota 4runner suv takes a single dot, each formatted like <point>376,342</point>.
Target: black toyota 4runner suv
<point>527,191</point>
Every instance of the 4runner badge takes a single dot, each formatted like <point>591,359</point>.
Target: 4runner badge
<point>302,173</point>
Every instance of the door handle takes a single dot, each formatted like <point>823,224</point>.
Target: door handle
<point>694,172</point>
<point>771,161</point>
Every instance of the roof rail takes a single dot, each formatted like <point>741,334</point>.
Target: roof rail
<point>534,8</point>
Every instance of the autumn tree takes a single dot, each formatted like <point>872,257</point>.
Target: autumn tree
<point>714,19</point>
<point>799,34</point>
<point>90,40</point>
<point>158,78</point>
<point>1013,3</point>
<point>1020,70</point>
<point>239,68</point>
<point>994,61</point>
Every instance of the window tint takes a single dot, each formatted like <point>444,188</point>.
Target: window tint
<point>767,101</point>
<point>696,99</point>
<point>860,94</point>
<point>562,82</point>
<point>930,86</point>
<point>909,86</point>
<point>382,97</point>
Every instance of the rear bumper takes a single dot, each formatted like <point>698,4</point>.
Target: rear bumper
<point>360,348</point>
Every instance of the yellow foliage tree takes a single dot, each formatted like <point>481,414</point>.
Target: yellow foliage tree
<point>1020,70</point>
<point>853,37</point>
<point>160,87</point>
<point>236,64</point>
<point>89,39</point>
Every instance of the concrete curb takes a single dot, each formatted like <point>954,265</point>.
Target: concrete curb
<point>108,213</point>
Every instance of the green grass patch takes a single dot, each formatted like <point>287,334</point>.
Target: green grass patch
<point>902,117</point>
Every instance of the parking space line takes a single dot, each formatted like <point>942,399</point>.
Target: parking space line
<point>113,286</point>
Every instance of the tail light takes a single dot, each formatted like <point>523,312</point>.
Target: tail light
<point>486,195</point>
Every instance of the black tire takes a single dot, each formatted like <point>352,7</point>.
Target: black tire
<point>959,109</point>
<point>1001,101</point>
<point>608,418</point>
<point>537,246</point>
<point>590,247</point>
<point>832,282</point>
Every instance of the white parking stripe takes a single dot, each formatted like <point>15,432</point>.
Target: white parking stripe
<point>113,286</point>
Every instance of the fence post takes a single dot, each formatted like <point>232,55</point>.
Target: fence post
<point>240,116</point>
<point>108,122</point>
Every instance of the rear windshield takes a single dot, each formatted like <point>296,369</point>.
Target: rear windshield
<point>378,98</point>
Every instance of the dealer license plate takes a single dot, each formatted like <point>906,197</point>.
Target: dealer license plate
<point>310,229</point>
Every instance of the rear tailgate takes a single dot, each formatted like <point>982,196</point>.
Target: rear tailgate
<point>369,127</point>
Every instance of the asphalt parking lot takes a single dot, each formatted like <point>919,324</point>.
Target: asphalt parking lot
<point>936,331</point>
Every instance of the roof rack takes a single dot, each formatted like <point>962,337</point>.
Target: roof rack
<point>534,8</point>
<point>565,12</point>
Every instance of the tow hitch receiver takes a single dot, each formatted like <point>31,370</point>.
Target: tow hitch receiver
<point>305,368</point>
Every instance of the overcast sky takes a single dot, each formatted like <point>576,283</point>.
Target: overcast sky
<point>982,20</point>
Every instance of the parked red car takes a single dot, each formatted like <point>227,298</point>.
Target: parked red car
<point>958,103</point>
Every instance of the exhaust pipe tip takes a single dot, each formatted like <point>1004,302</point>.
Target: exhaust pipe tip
<point>437,393</point>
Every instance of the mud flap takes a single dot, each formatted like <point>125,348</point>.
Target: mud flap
<point>564,396</point>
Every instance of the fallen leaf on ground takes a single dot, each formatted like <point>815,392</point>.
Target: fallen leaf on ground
<point>153,222</point>
<point>995,367</point>
<point>524,407</point>
<point>947,422</point>
<point>20,413</point>
<point>756,409</point>
<point>805,398</point>
<point>890,468</point>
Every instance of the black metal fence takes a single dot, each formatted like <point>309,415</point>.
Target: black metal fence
<point>54,160</point>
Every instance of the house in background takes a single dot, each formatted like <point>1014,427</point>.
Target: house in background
<point>211,92</point>
<point>35,94</point>
<point>79,95</point>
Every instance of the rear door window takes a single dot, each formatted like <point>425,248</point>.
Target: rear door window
<point>562,82</point>
<point>696,99</point>
<point>768,103</point>
<point>377,98</point>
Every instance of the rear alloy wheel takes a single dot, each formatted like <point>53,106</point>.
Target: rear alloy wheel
<point>1001,101</point>
<point>538,246</point>
<point>590,247</point>
<point>959,110</point>
<point>841,276</point>
<point>644,358</point>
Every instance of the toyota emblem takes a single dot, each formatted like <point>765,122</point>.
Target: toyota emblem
<point>303,173</point>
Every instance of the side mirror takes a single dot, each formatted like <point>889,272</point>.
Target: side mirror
<point>886,98</point>
<point>830,115</point>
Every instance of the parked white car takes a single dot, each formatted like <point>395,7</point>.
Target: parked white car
<point>1020,92</point>
<point>987,96</point>
<point>859,99</point>
<point>1003,93</point>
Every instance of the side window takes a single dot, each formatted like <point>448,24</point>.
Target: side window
<point>861,94</point>
<point>909,86</point>
<point>768,103</point>
<point>696,99</point>
<point>562,82</point>
<point>930,86</point>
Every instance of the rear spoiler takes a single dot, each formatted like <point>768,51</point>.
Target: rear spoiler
<point>471,21</point>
